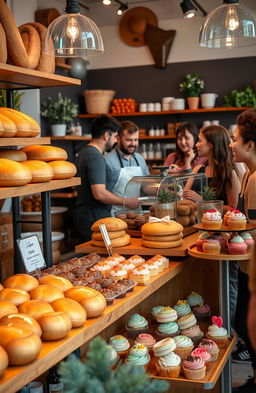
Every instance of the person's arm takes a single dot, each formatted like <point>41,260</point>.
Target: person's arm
<point>232,192</point>
<point>188,193</point>
<point>100,193</point>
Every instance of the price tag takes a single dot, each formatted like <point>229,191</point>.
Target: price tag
<point>31,253</point>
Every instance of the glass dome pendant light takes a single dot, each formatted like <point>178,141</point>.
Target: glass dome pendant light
<point>73,35</point>
<point>229,26</point>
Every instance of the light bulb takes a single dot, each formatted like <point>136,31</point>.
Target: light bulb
<point>119,12</point>
<point>232,22</point>
<point>190,14</point>
<point>230,41</point>
<point>72,28</point>
<point>106,2</point>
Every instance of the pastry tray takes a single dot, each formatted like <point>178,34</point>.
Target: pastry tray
<point>122,294</point>
<point>249,227</point>
<point>192,250</point>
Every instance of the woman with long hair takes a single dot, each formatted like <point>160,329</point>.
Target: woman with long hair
<point>213,144</point>
<point>185,158</point>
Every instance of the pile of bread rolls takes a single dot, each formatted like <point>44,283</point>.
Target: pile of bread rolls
<point>186,212</point>
<point>116,231</point>
<point>23,46</point>
<point>162,234</point>
<point>32,310</point>
<point>34,164</point>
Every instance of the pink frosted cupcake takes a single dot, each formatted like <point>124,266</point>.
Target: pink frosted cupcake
<point>145,339</point>
<point>194,368</point>
<point>211,347</point>
<point>203,311</point>
<point>194,333</point>
<point>211,246</point>
<point>200,240</point>
<point>248,240</point>
<point>187,321</point>
<point>202,353</point>
<point>237,245</point>
<point>217,333</point>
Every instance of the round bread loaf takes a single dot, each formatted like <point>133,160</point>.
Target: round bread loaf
<point>59,282</point>
<point>16,296</point>
<point>112,235</point>
<point>94,305</point>
<point>163,238</point>
<point>118,242</point>
<point>7,308</point>
<point>55,325</point>
<point>4,361</point>
<point>9,128</point>
<point>13,173</point>
<point>40,170</point>
<point>160,228</point>
<point>45,153</point>
<point>22,281</point>
<point>80,292</point>
<point>112,224</point>
<point>22,319</point>
<point>157,244</point>
<point>47,293</point>
<point>35,126</point>
<point>35,308</point>
<point>76,312</point>
<point>63,169</point>
<point>13,154</point>
<point>23,126</point>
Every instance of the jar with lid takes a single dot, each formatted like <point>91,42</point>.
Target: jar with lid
<point>144,151</point>
<point>53,380</point>
<point>157,131</point>
<point>158,152</point>
<point>151,154</point>
<point>78,129</point>
<point>151,131</point>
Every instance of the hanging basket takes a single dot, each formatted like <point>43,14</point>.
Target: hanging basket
<point>98,101</point>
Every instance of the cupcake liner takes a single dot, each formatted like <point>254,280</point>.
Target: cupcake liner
<point>194,374</point>
<point>220,341</point>
<point>214,354</point>
<point>170,372</point>
<point>133,333</point>
<point>184,352</point>
<point>123,354</point>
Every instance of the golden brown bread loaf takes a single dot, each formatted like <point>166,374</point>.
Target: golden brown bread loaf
<point>112,235</point>
<point>16,296</point>
<point>163,238</point>
<point>3,48</point>
<point>161,244</point>
<point>35,308</point>
<point>4,361</point>
<point>7,308</point>
<point>13,154</point>
<point>47,293</point>
<point>22,281</point>
<point>22,319</point>
<point>93,301</point>
<point>76,312</point>
<point>35,127</point>
<point>8,127</point>
<point>111,223</point>
<point>55,325</point>
<point>79,292</point>
<point>32,43</point>
<point>118,242</point>
<point>59,282</point>
<point>45,153</point>
<point>160,228</point>
<point>13,173</point>
<point>62,169</point>
<point>23,126</point>
<point>40,171</point>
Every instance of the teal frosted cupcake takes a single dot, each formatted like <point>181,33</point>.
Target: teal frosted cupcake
<point>155,310</point>
<point>170,329</point>
<point>136,325</point>
<point>138,356</point>
<point>112,355</point>
<point>120,344</point>
<point>194,299</point>
<point>182,308</point>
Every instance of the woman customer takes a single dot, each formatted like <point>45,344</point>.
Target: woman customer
<point>243,147</point>
<point>185,158</point>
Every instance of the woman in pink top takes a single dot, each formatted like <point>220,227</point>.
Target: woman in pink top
<point>185,158</point>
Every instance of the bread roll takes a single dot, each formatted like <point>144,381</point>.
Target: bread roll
<point>47,293</point>
<point>22,319</point>
<point>8,127</point>
<point>7,308</point>
<point>45,153</point>
<point>112,224</point>
<point>40,171</point>
<point>23,126</point>
<point>80,292</point>
<point>61,283</point>
<point>22,281</point>
<point>63,169</point>
<point>36,129</point>
<point>13,154</point>
<point>16,296</point>
<point>76,312</point>
<point>35,308</point>
<point>55,325</point>
<point>13,173</point>
<point>157,244</point>
<point>94,305</point>
<point>112,235</point>
<point>160,228</point>
<point>119,242</point>
<point>4,361</point>
<point>1,287</point>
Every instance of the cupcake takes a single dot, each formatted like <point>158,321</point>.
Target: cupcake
<point>202,311</point>
<point>194,333</point>
<point>187,321</point>
<point>248,240</point>
<point>118,272</point>
<point>140,274</point>
<point>237,245</point>
<point>210,347</point>
<point>136,260</point>
<point>152,266</point>
<point>166,314</point>
<point>168,366</point>
<point>164,347</point>
<point>112,355</point>
<point>217,333</point>
<point>155,310</point>
<point>160,258</point>
<point>212,220</point>
<point>184,346</point>
<point>237,221</point>
<point>182,308</point>
<point>145,339</point>
<point>120,344</point>
<point>200,240</point>
<point>227,216</point>
<point>202,353</point>
<point>136,324</point>
<point>194,299</point>
<point>222,241</point>
<point>169,329</point>
<point>211,246</point>
<point>138,356</point>
<point>194,368</point>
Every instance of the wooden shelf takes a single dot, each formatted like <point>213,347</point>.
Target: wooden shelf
<point>211,375</point>
<point>66,195</point>
<point>18,77</point>
<point>146,137</point>
<point>192,250</point>
<point>200,110</point>
<point>53,352</point>
<point>136,248</point>
<point>24,141</point>
<point>70,138</point>
<point>9,192</point>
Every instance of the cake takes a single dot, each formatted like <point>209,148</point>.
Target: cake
<point>237,245</point>
<point>210,347</point>
<point>194,368</point>
<point>184,346</point>
<point>112,261</point>
<point>212,220</point>
<point>136,325</point>
<point>120,344</point>
<point>182,308</point>
<point>103,266</point>
<point>152,266</point>
<point>169,329</point>
<point>248,240</point>
<point>118,272</point>
<point>166,314</point>
<point>194,299</point>
<point>168,366</point>
<point>236,221</point>
<point>217,333</point>
<point>140,274</point>
<point>163,260</point>
<point>127,265</point>
<point>211,246</point>
<point>136,260</point>
<point>118,258</point>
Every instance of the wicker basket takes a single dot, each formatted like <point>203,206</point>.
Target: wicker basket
<point>98,101</point>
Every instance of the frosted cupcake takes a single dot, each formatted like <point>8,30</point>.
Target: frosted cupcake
<point>164,347</point>
<point>203,311</point>
<point>194,368</point>
<point>202,353</point>
<point>112,355</point>
<point>227,216</point>
<point>248,240</point>
<point>155,310</point>
<point>170,329</point>
<point>211,246</point>
<point>145,339</point>
<point>187,321</point>
<point>184,346</point>
<point>200,240</point>
<point>182,308</point>
<point>138,356</point>
<point>194,299</point>
<point>166,314</point>
<point>212,220</point>
<point>136,325</point>
<point>120,344</point>
<point>211,347</point>
<point>237,245</point>
<point>217,333</point>
<point>194,333</point>
<point>237,221</point>
<point>222,241</point>
<point>168,366</point>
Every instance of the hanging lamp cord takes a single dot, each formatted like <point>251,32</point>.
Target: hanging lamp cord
<point>72,7</point>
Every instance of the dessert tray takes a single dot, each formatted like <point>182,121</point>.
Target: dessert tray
<point>249,227</point>
<point>192,250</point>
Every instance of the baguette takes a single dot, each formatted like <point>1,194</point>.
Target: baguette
<point>32,43</point>
<point>3,48</point>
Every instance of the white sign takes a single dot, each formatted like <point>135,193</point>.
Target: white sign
<point>31,253</point>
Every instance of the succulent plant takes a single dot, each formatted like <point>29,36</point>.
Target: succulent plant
<point>165,196</point>
<point>208,193</point>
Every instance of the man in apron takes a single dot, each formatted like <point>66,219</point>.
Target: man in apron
<point>123,163</point>
<point>94,201</point>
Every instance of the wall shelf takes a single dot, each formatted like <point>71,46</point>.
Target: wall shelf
<point>24,141</point>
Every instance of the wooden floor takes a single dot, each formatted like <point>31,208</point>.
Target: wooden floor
<point>240,373</point>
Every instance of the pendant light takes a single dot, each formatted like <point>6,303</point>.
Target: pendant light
<point>229,26</point>
<point>73,34</point>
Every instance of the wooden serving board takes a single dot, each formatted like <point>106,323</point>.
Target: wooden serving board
<point>137,248</point>
<point>192,250</point>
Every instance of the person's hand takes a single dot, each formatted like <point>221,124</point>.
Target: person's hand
<point>132,203</point>
<point>173,169</point>
<point>251,319</point>
<point>189,156</point>
<point>192,195</point>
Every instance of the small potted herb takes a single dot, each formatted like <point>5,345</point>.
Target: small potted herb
<point>192,86</point>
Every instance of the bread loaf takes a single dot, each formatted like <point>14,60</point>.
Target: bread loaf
<point>8,127</point>
<point>16,296</point>
<point>80,292</point>
<point>45,153</point>
<point>35,131</point>
<point>61,283</point>
<point>112,235</point>
<point>35,308</point>
<point>40,171</point>
<point>112,224</point>
<point>118,242</point>
<point>22,281</point>
<point>46,293</point>
<point>4,361</point>
<point>3,48</point>
<point>23,126</point>
<point>32,43</point>
<point>13,154</point>
<point>22,319</point>
<point>76,312</point>
<point>55,325</point>
<point>7,308</point>
<point>160,228</point>
<point>62,169</point>
<point>161,244</point>
<point>13,173</point>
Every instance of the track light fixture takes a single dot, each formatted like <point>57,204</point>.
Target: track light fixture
<point>190,7</point>
<point>107,2</point>
<point>122,8</point>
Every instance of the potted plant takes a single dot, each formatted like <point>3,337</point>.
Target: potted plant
<point>192,86</point>
<point>58,113</point>
<point>165,203</point>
